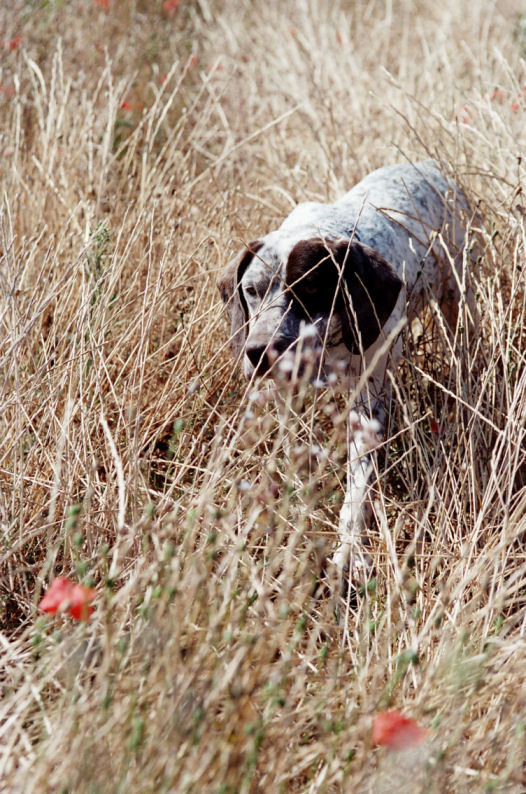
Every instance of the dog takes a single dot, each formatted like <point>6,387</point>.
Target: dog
<point>328,293</point>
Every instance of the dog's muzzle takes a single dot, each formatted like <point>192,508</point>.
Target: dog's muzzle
<point>286,358</point>
<point>264,357</point>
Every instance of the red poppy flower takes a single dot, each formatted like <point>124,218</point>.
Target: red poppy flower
<point>392,729</point>
<point>170,7</point>
<point>498,95</point>
<point>102,3</point>
<point>13,44</point>
<point>467,114</point>
<point>66,596</point>
<point>125,105</point>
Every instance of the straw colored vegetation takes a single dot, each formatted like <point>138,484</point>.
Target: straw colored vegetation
<point>140,144</point>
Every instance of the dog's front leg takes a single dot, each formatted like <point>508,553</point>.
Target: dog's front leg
<point>351,554</point>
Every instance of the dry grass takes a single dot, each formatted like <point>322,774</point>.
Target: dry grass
<point>137,149</point>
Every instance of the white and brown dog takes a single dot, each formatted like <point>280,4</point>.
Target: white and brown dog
<point>345,276</point>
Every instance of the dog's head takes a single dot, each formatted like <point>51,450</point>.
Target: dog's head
<point>324,291</point>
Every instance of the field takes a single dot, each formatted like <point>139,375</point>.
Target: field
<point>141,143</point>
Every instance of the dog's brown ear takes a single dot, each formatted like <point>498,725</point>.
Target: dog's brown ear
<point>349,277</point>
<point>230,291</point>
<point>369,295</point>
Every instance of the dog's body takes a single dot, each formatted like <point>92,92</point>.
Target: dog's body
<point>336,281</point>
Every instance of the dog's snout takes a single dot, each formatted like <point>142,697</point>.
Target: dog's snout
<point>258,357</point>
<point>263,357</point>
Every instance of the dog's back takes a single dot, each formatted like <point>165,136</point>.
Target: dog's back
<point>416,198</point>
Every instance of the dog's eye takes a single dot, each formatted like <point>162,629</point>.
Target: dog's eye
<point>249,289</point>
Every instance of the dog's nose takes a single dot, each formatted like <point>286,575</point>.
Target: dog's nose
<point>263,357</point>
<point>258,357</point>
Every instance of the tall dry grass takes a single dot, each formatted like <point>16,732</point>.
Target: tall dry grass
<point>139,146</point>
